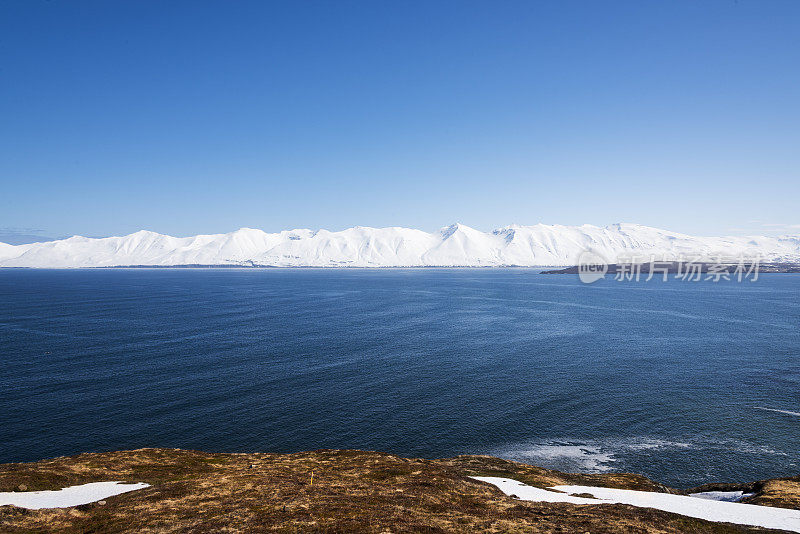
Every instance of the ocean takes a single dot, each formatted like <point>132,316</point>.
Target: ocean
<point>684,382</point>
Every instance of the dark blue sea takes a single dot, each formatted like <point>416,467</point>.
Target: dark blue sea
<point>685,382</point>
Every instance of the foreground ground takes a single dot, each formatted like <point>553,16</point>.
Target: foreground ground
<point>352,491</point>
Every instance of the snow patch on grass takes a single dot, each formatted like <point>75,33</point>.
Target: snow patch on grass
<point>66,497</point>
<point>702,508</point>
<point>728,496</point>
<point>522,491</point>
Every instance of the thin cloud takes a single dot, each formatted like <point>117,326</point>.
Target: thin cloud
<point>781,225</point>
<point>20,230</point>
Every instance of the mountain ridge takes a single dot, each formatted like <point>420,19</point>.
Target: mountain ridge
<point>456,245</point>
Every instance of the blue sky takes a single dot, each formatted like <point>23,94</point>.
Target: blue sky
<point>202,117</point>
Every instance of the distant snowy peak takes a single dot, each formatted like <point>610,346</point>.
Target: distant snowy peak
<point>456,245</point>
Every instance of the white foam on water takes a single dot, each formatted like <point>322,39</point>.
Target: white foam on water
<point>66,497</point>
<point>744,447</point>
<point>589,457</point>
<point>597,456</point>
<point>616,453</point>
<point>787,412</point>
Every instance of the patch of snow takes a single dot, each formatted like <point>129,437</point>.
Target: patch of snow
<point>728,496</point>
<point>66,497</point>
<point>701,508</point>
<point>525,492</point>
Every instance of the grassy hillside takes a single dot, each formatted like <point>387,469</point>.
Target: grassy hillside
<point>352,491</point>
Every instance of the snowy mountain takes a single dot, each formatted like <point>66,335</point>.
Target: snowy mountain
<point>456,245</point>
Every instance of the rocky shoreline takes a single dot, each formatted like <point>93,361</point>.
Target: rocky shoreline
<point>340,491</point>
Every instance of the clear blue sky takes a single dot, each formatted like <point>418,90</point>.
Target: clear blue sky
<point>188,117</point>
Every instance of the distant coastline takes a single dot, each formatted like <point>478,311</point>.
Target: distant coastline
<point>614,268</point>
<point>456,245</point>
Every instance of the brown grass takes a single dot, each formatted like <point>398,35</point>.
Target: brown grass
<point>352,491</point>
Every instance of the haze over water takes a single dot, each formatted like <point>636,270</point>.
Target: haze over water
<point>684,382</point>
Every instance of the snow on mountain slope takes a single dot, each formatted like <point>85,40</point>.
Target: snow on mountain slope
<point>9,251</point>
<point>461,245</point>
<point>455,245</point>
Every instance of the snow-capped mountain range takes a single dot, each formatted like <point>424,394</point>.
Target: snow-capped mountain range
<point>455,245</point>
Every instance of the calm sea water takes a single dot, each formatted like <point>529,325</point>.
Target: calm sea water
<point>684,382</point>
